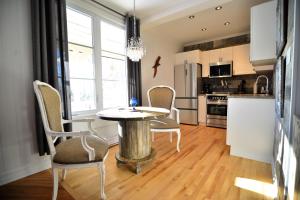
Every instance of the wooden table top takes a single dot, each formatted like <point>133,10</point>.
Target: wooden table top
<point>127,113</point>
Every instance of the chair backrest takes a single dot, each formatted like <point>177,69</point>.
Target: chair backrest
<point>50,107</point>
<point>161,96</point>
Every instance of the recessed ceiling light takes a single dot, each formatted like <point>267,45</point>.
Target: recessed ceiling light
<point>191,16</point>
<point>204,29</point>
<point>218,8</point>
<point>226,23</point>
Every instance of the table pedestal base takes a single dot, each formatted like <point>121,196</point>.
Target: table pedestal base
<point>134,143</point>
<point>134,164</point>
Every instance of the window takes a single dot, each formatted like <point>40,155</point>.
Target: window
<point>97,64</point>
<point>81,62</point>
<point>113,65</point>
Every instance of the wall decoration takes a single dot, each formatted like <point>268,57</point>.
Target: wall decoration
<point>281,22</point>
<point>155,66</point>
<point>280,86</point>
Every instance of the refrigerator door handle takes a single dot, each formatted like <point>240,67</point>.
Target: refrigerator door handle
<point>185,77</point>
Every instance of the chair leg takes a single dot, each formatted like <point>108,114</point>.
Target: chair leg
<point>171,137</point>
<point>152,134</point>
<point>102,180</point>
<point>55,183</point>
<point>64,174</point>
<point>178,139</point>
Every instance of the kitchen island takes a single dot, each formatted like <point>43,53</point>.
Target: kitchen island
<point>250,126</point>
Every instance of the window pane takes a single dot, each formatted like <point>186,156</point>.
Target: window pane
<point>114,94</point>
<point>79,28</point>
<point>112,38</point>
<point>81,62</point>
<point>83,95</point>
<point>113,69</point>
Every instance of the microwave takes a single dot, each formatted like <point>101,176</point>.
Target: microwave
<point>220,69</point>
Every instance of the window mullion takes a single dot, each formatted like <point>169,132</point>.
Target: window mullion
<point>97,60</point>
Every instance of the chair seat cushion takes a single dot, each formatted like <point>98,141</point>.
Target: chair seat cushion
<point>164,123</point>
<point>72,152</point>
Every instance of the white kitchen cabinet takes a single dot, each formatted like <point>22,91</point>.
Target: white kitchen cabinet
<point>204,60</point>
<point>187,57</point>
<point>263,34</point>
<point>214,55</point>
<point>263,68</point>
<point>226,54</point>
<point>250,126</point>
<point>220,55</point>
<point>202,109</point>
<point>241,61</point>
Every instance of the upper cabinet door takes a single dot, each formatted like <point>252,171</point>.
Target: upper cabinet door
<point>241,61</point>
<point>263,34</point>
<point>204,60</point>
<point>214,55</point>
<point>187,57</point>
<point>226,54</point>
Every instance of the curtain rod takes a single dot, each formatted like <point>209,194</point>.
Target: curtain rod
<point>108,8</point>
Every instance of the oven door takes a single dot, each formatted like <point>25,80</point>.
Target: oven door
<point>217,111</point>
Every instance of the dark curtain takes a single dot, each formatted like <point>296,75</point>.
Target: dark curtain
<point>50,57</point>
<point>133,68</point>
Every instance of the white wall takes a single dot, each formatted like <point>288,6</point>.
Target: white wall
<point>18,149</point>
<point>165,47</point>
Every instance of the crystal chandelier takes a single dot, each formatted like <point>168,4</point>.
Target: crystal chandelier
<point>135,49</point>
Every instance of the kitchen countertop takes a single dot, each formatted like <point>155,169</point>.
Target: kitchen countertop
<point>257,96</point>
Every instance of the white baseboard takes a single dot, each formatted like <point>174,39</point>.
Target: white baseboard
<point>250,155</point>
<point>26,170</point>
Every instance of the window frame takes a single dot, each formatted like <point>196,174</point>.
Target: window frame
<point>122,27</point>
<point>97,54</point>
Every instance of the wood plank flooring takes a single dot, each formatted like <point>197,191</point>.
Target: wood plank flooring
<point>34,187</point>
<point>202,170</point>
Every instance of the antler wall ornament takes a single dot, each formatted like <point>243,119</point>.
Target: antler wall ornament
<point>155,66</point>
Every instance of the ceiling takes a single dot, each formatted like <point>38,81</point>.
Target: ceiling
<point>170,17</point>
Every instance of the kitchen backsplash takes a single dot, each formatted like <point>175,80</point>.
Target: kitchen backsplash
<point>242,84</point>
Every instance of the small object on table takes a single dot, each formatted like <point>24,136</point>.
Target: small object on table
<point>134,134</point>
<point>133,103</point>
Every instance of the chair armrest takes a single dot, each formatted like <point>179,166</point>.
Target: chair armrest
<point>67,134</point>
<point>78,120</point>
<point>87,120</point>
<point>177,114</point>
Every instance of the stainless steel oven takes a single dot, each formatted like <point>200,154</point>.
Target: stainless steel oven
<point>216,115</point>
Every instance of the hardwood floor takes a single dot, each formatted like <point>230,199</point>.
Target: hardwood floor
<point>34,187</point>
<point>202,170</point>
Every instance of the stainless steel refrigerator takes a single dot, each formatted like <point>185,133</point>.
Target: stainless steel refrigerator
<point>186,87</point>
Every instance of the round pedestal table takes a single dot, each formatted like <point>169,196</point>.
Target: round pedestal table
<point>134,133</point>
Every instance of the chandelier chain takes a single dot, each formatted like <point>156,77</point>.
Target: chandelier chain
<point>134,20</point>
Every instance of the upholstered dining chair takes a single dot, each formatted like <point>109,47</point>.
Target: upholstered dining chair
<point>84,149</point>
<point>163,97</point>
